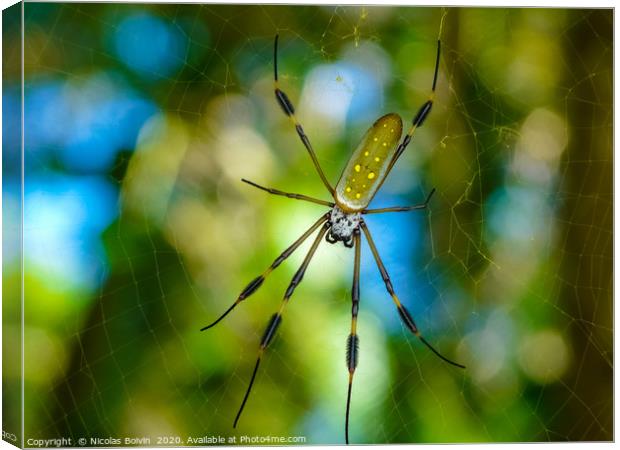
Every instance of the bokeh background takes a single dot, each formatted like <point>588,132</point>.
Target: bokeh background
<point>140,121</point>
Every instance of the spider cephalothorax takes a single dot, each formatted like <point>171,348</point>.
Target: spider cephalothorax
<point>342,226</point>
<point>362,177</point>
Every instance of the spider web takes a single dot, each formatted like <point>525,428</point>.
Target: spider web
<point>141,232</point>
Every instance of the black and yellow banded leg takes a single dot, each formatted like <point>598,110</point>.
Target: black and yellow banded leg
<point>289,194</point>
<point>353,340</point>
<point>289,110</point>
<point>402,311</point>
<point>401,208</point>
<point>276,319</point>
<point>420,116</point>
<point>425,109</point>
<point>258,281</point>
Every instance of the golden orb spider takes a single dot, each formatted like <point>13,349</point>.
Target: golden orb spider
<point>367,169</point>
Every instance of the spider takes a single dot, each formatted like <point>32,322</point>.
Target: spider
<point>365,172</point>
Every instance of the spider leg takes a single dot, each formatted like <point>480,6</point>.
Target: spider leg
<point>258,281</point>
<point>289,110</point>
<point>329,238</point>
<point>275,320</point>
<point>402,311</point>
<point>288,194</point>
<point>419,118</point>
<point>401,208</point>
<point>353,340</point>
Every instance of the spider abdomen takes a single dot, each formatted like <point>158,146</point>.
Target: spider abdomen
<point>368,165</point>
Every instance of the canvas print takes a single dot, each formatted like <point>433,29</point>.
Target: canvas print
<point>303,224</point>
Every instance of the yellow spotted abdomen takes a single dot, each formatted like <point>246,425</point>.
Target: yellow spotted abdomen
<point>367,167</point>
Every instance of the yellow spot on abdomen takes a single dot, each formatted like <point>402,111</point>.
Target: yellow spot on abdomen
<point>348,189</point>
<point>377,159</point>
<point>371,175</point>
<point>366,153</point>
<point>358,167</point>
<point>358,195</point>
